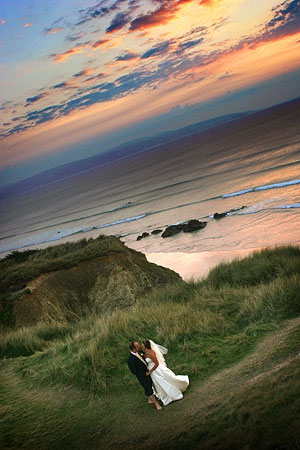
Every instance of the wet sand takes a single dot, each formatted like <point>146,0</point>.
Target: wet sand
<point>196,265</point>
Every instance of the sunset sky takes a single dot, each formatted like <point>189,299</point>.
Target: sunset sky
<point>79,76</point>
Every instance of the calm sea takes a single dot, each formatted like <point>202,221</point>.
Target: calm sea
<point>249,169</point>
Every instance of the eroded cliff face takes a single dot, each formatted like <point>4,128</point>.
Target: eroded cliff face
<point>104,283</point>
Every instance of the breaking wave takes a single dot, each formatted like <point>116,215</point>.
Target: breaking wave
<point>262,188</point>
<point>54,235</point>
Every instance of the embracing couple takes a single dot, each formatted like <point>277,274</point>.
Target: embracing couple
<point>149,366</point>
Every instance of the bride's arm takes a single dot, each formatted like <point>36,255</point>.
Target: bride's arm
<point>152,355</point>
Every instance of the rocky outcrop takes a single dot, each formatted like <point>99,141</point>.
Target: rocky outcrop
<point>156,231</point>
<point>172,230</point>
<point>193,225</point>
<point>188,227</point>
<point>143,235</point>
<point>112,279</point>
<point>218,216</point>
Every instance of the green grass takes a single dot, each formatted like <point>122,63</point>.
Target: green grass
<point>67,385</point>
<point>69,281</point>
<point>260,267</point>
<point>19,267</point>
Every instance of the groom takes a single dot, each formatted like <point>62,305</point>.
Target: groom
<point>138,367</point>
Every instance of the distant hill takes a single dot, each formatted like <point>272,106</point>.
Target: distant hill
<point>122,151</point>
<point>137,146</point>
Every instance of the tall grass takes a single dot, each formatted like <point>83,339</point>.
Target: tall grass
<point>17,270</point>
<point>208,326</point>
<point>27,340</point>
<point>260,267</point>
<point>214,326</point>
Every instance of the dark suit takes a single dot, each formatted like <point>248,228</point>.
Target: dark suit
<point>139,369</point>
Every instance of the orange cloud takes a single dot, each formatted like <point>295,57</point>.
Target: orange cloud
<point>95,77</point>
<point>207,2</point>
<point>66,55</point>
<point>52,30</point>
<point>109,43</point>
<point>160,16</point>
<point>56,30</point>
<point>65,85</point>
<point>100,43</point>
<point>249,66</point>
<point>27,25</point>
<point>111,64</point>
<point>83,73</point>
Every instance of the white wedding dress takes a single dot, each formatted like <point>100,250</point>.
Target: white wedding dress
<point>167,386</point>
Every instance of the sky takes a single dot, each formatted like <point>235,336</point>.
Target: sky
<point>80,76</point>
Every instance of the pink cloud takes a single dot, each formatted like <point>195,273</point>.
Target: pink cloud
<point>53,30</point>
<point>82,73</point>
<point>61,57</point>
<point>166,12</point>
<point>100,43</point>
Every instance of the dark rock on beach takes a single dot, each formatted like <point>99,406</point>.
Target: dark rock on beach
<point>223,214</point>
<point>172,230</point>
<point>189,227</point>
<point>219,215</point>
<point>143,235</point>
<point>238,209</point>
<point>156,231</point>
<point>193,225</point>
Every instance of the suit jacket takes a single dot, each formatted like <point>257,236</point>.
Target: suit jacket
<point>139,369</point>
<point>136,366</point>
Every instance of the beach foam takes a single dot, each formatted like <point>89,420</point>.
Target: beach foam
<point>53,235</point>
<point>262,188</point>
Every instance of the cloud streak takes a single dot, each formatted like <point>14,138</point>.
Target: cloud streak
<point>52,30</point>
<point>118,22</point>
<point>100,43</point>
<point>35,99</point>
<point>62,57</point>
<point>99,11</point>
<point>129,56</point>
<point>160,16</point>
<point>128,46</point>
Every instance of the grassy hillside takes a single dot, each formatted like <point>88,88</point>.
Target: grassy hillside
<point>73,280</point>
<point>236,334</point>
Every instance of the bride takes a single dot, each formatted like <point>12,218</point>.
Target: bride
<point>166,385</point>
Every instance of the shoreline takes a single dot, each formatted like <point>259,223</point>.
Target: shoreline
<point>189,265</point>
<point>194,266</point>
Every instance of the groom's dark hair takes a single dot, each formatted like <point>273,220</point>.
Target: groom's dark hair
<point>132,345</point>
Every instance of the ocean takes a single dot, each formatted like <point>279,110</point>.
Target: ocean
<point>249,168</point>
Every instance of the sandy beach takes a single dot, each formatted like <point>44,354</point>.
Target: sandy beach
<point>196,265</point>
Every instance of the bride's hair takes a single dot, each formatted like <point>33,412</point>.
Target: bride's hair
<point>147,344</point>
